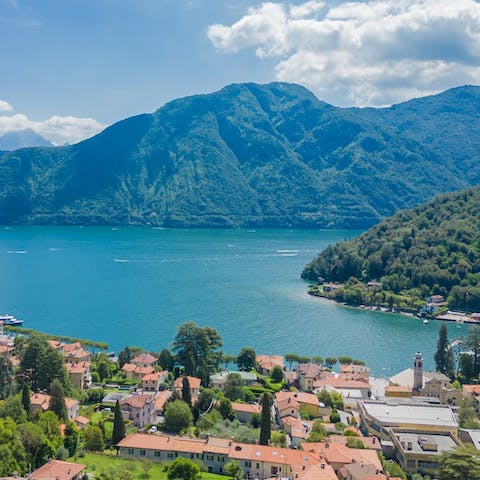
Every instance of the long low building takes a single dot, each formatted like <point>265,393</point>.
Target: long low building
<point>378,416</point>
<point>257,461</point>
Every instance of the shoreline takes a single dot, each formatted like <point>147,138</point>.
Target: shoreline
<point>449,316</point>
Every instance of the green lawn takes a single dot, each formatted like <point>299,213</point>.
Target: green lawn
<point>96,462</point>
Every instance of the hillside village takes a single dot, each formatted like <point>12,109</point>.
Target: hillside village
<point>327,419</point>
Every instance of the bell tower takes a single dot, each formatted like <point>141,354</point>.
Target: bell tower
<point>417,373</point>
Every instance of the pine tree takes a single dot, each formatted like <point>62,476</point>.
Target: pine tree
<point>26,399</point>
<point>186,393</point>
<point>265,425</point>
<point>119,430</point>
<point>57,400</point>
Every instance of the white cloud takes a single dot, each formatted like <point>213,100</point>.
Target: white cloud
<point>58,130</point>
<point>5,106</point>
<point>373,52</point>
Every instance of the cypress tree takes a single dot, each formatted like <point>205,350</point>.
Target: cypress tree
<point>186,393</point>
<point>57,400</point>
<point>442,347</point>
<point>70,442</point>
<point>119,431</point>
<point>265,424</point>
<point>26,399</point>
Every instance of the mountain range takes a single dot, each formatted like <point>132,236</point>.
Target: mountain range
<point>251,155</point>
<point>23,138</point>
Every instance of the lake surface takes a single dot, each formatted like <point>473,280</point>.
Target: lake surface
<point>134,286</point>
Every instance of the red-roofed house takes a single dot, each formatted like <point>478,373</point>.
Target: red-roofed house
<point>293,403</point>
<point>193,382</point>
<point>79,374</point>
<point>144,360</point>
<point>245,411</point>
<point>140,409</point>
<point>152,381</point>
<point>58,470</point>
<point>265,363</point>
<point>134,372</point>
<point>40,402</point>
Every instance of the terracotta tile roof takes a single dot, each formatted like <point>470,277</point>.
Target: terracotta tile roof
<point>151,377</point>
<point>144,358</point>
<point>297,427</point>
<point>56,469</point>
<point>81,420</point>
<point>144,370</point>
<point>70,347</point>
<point>136,401</point>
<point>56,344</point>
<point>193,382</point>
<point>6,349</point>
<point>246,407</point>
<point>471,389</point>
<point>398,389</point>
<point>267,362</point>
<point>321,471</point>
<point>300,397</point>
<point>161,399</point>
<point>129,367</point>
<point>336,453</point>
<point>341,382</point>
<point>262,453</point>
<point>76,368</point>
<point>41,400</point>
<point>163,442</point>
<point>309,370</point>
<point>218,445</point>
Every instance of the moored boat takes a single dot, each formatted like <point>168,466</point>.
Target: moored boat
<point>10,320</point>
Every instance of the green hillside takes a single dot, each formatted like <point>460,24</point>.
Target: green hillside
<point>251,155</point>
<point>431,249</point>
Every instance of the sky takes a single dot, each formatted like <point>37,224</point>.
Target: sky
<point>68,68</point>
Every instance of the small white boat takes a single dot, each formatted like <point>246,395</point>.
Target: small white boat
<point>425,321</point>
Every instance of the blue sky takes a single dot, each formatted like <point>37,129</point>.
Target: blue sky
<point>70,67</point>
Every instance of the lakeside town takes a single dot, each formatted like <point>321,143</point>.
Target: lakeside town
<point>250,416</point>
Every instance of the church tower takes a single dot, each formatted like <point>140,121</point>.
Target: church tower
<point>417,373</point>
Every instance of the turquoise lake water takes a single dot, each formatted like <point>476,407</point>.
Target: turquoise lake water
<point>136,285</point>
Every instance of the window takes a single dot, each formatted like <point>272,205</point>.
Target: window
<point>209,457</point>
<point>411,463</point>
<point>130,451</point>
<point>258,466</point>
<point>158,454</point>
<point>142,453</point>
<point>248,463</point>
<point>191,455</point>
<point>274,470</point>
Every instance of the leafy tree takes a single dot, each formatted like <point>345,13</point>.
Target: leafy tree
<point>472,341</point>
<point>225,409</point>
<point>276,374</point>
<point>119,430</point>
<point>70,441</point>
<point>233,388</point>
<point>183,469</point>
<point>36,444</point>
<point>234,470</point>
<point>246,359</point>
<point>462,463</point>
<point>124,357</point>
<point>12,452</point>
<point>197,349</point>
<point>255,420</point>
<point>26,400</point>
<point>318,432</point>
<point>303,359</point>
<point>49,423</point>
<point>279,439</point>
<point>317,360</point>
<point>178,416</point>
<point>186,393</point>
<point>166,360</point>
<point>57,400</point>
<point>7,386</point>
<point>227,359</point>
<point>12,408</point>
<point>41,364</point>
<point>330,361</point>
<point>467,414</point>
<point>95,395</point>
<point>334,417</point>
<point>265,426</point>
<point>103,370</point>
<point>94,438</point>
<point>345,360</point>
<point>290,358</point>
